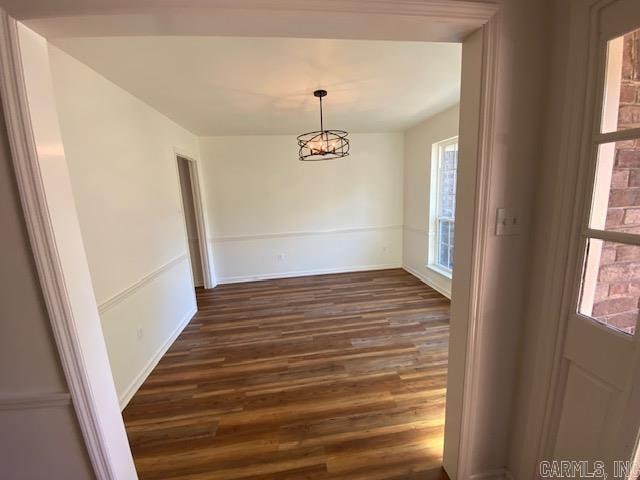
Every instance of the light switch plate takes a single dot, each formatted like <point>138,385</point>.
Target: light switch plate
<point>507,222</point>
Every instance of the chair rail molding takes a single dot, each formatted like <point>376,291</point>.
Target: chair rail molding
<point>416,230</point>
<point>306,233</point>
<point>43,244</point>
<point>34,400</point>
<point>133,288</point>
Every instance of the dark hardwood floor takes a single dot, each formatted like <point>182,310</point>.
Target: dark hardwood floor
<point>326,377</point>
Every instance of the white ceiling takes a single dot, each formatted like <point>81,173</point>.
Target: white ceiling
<point>263,86</point>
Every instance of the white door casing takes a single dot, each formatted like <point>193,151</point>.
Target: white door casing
<point>203,229</point>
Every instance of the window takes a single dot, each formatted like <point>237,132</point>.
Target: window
<point>610,290</point>
<point>444,165</point>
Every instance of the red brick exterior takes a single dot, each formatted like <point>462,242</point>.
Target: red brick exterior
<point>618,288</point>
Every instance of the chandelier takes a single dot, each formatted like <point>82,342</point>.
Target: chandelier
<point>323,144</point>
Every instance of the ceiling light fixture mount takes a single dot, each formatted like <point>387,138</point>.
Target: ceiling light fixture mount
<point>323,144</point>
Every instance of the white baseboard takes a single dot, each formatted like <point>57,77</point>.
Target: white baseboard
<point>305,273</point>
<point>426,281</point>
<point>125,397</point>
<point>498,474</point>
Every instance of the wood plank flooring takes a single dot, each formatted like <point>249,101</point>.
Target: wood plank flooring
<point>325,377</point>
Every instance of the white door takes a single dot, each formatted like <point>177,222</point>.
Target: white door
<point>596,416</point>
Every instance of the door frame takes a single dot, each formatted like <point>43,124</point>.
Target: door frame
<point>573,170</point>
<point>206,256</point>
<point>465,381</point>
<point>475,302</point>
<point>45,250</point>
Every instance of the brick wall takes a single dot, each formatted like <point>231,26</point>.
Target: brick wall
<point>618,288</point>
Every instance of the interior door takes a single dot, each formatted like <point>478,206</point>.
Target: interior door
<point>597,406</point>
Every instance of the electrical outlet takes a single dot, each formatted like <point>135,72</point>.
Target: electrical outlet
<point>507,222</point>
<point>140,333</point>
<point>280,257</point>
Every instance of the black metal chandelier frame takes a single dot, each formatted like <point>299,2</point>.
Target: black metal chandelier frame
<point>323,144</point>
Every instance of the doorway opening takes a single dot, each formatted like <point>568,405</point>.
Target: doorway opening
<point>186,170</point>
<point>472,44</point>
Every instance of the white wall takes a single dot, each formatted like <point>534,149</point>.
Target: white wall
<point>274,216</point>
<point>418,142</point>
<point>125,182</point>
<point>540,333</point>
<point>518,123</point>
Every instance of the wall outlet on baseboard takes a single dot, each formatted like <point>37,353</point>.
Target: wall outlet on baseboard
<point>280,257</point>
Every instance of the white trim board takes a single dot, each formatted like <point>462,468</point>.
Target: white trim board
<point>34,400</point>
<point>125,397</point>
<point>305,273</point>
<point>467,11</point>
<point>308,233</point>
<point>131,289</point>
<point>426,281</point>
<point>407,20</point>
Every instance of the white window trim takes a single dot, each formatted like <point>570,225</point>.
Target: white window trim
<point>434,187</point>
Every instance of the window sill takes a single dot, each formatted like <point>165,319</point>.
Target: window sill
<point>440,270</point>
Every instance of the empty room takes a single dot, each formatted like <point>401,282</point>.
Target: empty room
<point>269,229</point>
<point>300,239</point>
